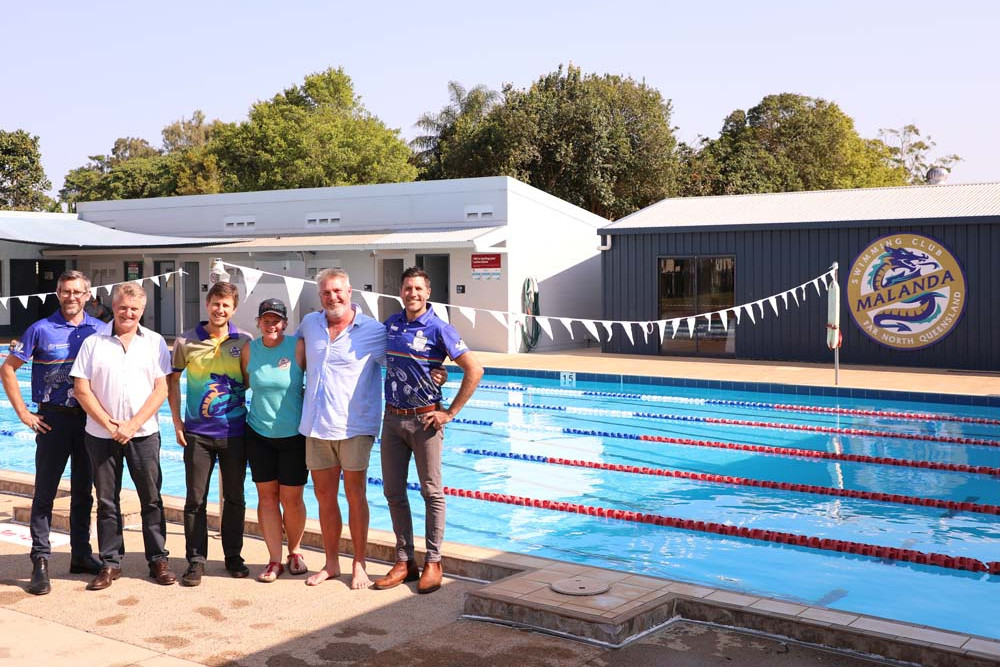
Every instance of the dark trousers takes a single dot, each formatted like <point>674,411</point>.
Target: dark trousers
<point>143,458</point>
<point>200,456</point>
<point>53,449</point>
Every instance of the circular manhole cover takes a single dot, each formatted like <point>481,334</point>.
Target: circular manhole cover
<point>579,586</point>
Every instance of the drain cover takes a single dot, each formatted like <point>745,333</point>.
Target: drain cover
<point>580,586</point>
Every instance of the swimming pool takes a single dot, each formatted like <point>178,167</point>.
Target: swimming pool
<point>751,467</point>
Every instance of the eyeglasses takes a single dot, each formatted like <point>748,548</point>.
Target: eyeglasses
<point>68,294</point>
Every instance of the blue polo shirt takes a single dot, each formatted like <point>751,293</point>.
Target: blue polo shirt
<point>51,344</point>
<point>412,350</point>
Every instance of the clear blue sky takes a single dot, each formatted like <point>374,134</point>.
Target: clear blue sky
<point>80,74</point>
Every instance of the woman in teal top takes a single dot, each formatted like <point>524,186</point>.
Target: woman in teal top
<point>274,370</point>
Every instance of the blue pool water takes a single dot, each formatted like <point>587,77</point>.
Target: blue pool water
<point>519,415</point>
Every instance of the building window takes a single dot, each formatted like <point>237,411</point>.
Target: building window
<point>323,220</point>
<point>478,211</point>
<point>695,285</point>
<point>238,223</point>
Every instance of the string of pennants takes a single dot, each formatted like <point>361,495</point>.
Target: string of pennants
<point>162,278</point>
<point>797,294</point>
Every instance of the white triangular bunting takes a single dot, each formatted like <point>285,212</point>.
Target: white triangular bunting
<point>156,280</point>
<point>371,302</point>
<point>251,277</point>
<point>736,311</point>
<point>674,323</point>
<point>546,326</point>
<point>3,301</point>
<point>760,304</point>
<point>470,314</point>
<point>748,309</point>
<point>784,296</point>
<point>294,287</point>
<point>499,318</point>
<point>108,288</point>
<point>690,323</point>
<point>774,304</point>
<point>591,328</point>
<point>815,283</point>
<point>93,292</point>
<point>725,319</point>
<point>795,296</point>
<point>23,298</point>
<point>803,288</point>
<point>441,311</point>
<point>662,324</point>
<point>627,326</point>
<point>568,323</point>
<point>607,327</point>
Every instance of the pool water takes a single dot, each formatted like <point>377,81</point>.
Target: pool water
<point>513,420</point>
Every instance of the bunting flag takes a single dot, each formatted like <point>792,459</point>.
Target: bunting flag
<point>749,311</point>
<point>607,327</point>
<point>627,326</point>
<point>543,322</point>
<point>690,323</point>
<point>736,311</point>
<point>795,295</point>
<point>294,287</point>
<point>673,325</point>
<point>815,283</point>
<point>774,304</point>
<point>725,320</point>
<point>568,323</point>
<point>591,327</point>
<point>662,324</point>
<point>440,310</point>
<point>470,314</point>
<point>24,300</point>
<point>784,296</point>
<point>371,302</point>
<point>250,278</point>
<point>156,280</point>
<point>500,317</point>
<point>3,301</point>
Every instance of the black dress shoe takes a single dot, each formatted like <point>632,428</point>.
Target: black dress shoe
<point>39,584</point>
<point>236,567</point>
<point>104,578</point>
<point>192,576</point>
<point>85,565</point>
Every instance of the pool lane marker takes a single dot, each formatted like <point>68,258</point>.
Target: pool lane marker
<point>785,407</point>
<point>794,539</point>
<point>742,422</point>
<point>758,449</point>
<point>954,506</point>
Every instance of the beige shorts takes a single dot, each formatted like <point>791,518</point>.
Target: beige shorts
<point>349,454</point>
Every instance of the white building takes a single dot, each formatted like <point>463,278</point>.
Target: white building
<point>480,239</point>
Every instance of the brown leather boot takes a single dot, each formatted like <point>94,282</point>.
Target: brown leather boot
<point>403,570</point>
<point>104,578</point>
<point>430,579</point>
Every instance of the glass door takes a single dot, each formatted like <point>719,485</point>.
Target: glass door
<point>692,286</point>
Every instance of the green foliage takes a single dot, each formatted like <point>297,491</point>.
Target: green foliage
<point>314,135</point>
<point>22,178</point>
<point>601,142</point>
<point>789,143</point>
<point>908,150</point>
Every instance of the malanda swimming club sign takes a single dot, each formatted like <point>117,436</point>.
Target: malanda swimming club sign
<point>906,291</point>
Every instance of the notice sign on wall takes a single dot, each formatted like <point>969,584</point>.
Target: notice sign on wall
<point>486,266</point>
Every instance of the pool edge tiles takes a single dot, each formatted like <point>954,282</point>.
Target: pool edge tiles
<point>516,590</point>
<point>989,401</point>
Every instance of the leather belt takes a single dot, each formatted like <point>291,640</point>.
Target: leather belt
<point>412,412</point>
<point>53,407</point>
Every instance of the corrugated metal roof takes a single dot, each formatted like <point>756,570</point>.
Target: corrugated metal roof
<point>900,203</point>
<point>476,237</point>
<point>64,229</point>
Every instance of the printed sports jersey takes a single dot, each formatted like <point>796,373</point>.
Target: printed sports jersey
<point>215,405</point>
<point>51,344</point>
<point>413,349</point>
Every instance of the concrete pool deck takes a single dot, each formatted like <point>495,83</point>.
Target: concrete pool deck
<point>242,622</point>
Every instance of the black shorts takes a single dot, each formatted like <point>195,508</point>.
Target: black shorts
<point>281,459</point>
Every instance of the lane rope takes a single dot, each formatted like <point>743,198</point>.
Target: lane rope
<point>743,481</point>
<point>784,407</point>
<point>758,449</point>
<point>794,539</point>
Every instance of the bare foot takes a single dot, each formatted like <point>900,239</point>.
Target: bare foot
<point>324,574</point>
<point>359,578</point>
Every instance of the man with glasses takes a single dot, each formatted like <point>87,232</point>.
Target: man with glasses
<point>52,344</point>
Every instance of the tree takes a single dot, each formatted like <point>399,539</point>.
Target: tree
<point>314,135</point>
<point>22,179</point>
<point>909,151</point>
<point>791,143</point>
<point>187,133</point>
<point>458,119</point>
<point>601,142</point>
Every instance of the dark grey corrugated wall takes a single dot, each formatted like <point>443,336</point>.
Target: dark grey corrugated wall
<point>772,258</point>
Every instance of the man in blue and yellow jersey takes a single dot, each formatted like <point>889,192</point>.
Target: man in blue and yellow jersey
<point>211,428</point>
<point>52,344</point>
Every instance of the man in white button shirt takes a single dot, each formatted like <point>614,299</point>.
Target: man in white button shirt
<point>120,381</point>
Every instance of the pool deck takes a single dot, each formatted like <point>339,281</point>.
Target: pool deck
<point>637,621</point>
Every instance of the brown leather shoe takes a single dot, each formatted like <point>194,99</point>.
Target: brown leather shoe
<point>104,578</point>
<point>430,578</point>
<point>403,570</point>
<point>160,570</point>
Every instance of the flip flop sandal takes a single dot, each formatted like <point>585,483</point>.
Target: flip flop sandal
<point>297,564</point>
<point>271,572</point>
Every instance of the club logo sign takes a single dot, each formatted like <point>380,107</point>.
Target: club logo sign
<point>906,291</point>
